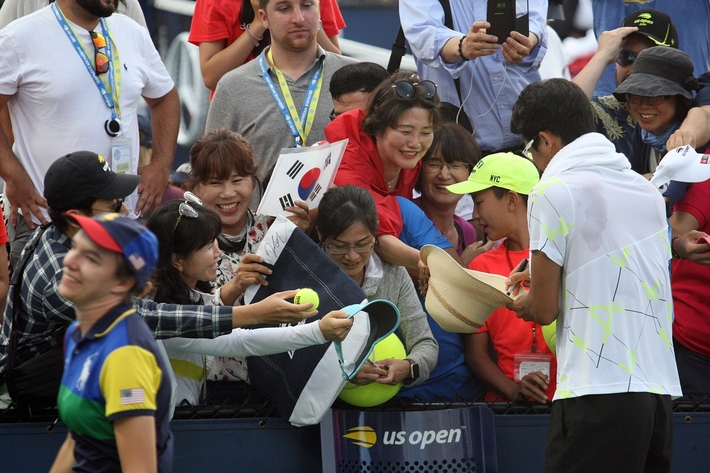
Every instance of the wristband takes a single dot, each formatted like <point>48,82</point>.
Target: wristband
<point>674,253</point>
<point>464,58</point>
<point>252,36</point>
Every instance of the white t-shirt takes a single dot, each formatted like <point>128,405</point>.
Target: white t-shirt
<point>606,228</point>
<point>56,108</point>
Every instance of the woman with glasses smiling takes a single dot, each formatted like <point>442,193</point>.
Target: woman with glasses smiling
<point>347,227</point>
<point>658,95</point>
<point>386,145</point>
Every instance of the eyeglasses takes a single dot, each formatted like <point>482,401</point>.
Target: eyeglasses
<point>100,58</point>
<point>343,249</point>
<point>333,115</point>
<point>640,99</point>
<point>118,204</point>
<point>526,150</point>
<point>405,89</point>
<point>626,58</point>
<point>435,166</point>
<point>186,209</point>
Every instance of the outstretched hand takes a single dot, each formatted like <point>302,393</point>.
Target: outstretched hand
<point>335,325</point>
<point>275,309</point>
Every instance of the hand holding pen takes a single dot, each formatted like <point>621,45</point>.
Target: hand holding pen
<point>517,276</point>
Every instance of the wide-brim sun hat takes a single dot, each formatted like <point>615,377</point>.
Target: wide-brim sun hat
<point>659,71</point>
<point>460,299</point>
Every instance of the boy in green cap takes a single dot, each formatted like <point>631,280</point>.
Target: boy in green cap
<point>500,184</point>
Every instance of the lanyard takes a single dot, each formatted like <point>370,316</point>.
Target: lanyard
<point>288,108</point>
<point>111,104</point>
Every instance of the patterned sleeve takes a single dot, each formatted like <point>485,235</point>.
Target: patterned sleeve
<point>190,321</point>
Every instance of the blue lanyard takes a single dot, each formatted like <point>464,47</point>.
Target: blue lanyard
<point>293,127</point>
<point>108,98</point>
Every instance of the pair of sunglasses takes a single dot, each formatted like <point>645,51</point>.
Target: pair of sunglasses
<point>186,209</point>
<point>625,58</point>
<point>406,89</point>
<point>640,99</point>
<point>101,62</point>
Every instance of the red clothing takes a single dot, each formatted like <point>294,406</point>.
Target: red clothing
<point>361,166</point>
<point>509,334</point>
<point>691,299</point>
<point>3,232</point>
<point>216,20</point>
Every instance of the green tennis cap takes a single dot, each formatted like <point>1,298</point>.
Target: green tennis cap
<point>505,170</point>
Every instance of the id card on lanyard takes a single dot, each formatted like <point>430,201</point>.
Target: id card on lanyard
<point>108,87</point>
<point>286,106</point>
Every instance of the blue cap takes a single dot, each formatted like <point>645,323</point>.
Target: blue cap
<point>122,234</point>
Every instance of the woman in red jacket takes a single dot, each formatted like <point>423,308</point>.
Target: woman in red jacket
<point>387,143</point>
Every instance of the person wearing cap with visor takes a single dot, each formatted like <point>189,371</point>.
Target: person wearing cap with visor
<point>640,30</point>
<point>500,184</point>
<point>115,392</point>
<point>82,183</point>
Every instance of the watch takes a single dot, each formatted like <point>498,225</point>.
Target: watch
<point>413,371</point>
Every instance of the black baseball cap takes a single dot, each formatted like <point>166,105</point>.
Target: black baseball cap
<point>655,25</point>
<point>80,175</point>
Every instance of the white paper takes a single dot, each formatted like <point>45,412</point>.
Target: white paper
<point>301,174</point>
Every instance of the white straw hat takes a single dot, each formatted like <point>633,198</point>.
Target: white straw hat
<point>460,299</point>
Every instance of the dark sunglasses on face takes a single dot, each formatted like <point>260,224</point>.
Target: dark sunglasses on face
<point>116,207</point>
<point>100,59</point>
<point>626,58</point>
<point>640,99</point>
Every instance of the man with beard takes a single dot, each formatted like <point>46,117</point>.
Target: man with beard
<point>640,30</point>
<point>276,100</point>
<point>73,74</point>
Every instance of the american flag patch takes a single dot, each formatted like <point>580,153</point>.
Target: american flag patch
<point>132,396</point>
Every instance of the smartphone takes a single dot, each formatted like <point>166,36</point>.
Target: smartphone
<point>502,17</point>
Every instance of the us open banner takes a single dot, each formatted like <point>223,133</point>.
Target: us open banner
<point>301,174</point>
<point>458,440</point>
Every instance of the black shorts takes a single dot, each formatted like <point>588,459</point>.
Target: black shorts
<point>608,433</point>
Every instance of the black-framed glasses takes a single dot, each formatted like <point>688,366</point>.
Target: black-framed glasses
<point>343,249</point>
<point>186,209</point>
<point>405,89</point>
<point>640,99</point>
<point>333,115</point>
<point>101,62</point>
<point>626,58</point>
<point>118,204</point>
<point>435,166</point>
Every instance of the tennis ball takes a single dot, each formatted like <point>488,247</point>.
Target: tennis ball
<point>374,394</point>
<point>305,296</point>
<point>549,333</point>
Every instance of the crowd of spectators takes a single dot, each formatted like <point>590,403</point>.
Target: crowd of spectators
<point>554,173</point>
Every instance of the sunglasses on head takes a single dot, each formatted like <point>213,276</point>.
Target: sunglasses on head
<point>625,58</point>
<point>100,58</point>
<point>186,209</point>
<point>406,89</point>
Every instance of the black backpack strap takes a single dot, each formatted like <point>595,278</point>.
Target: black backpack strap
<point>399,49</point>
